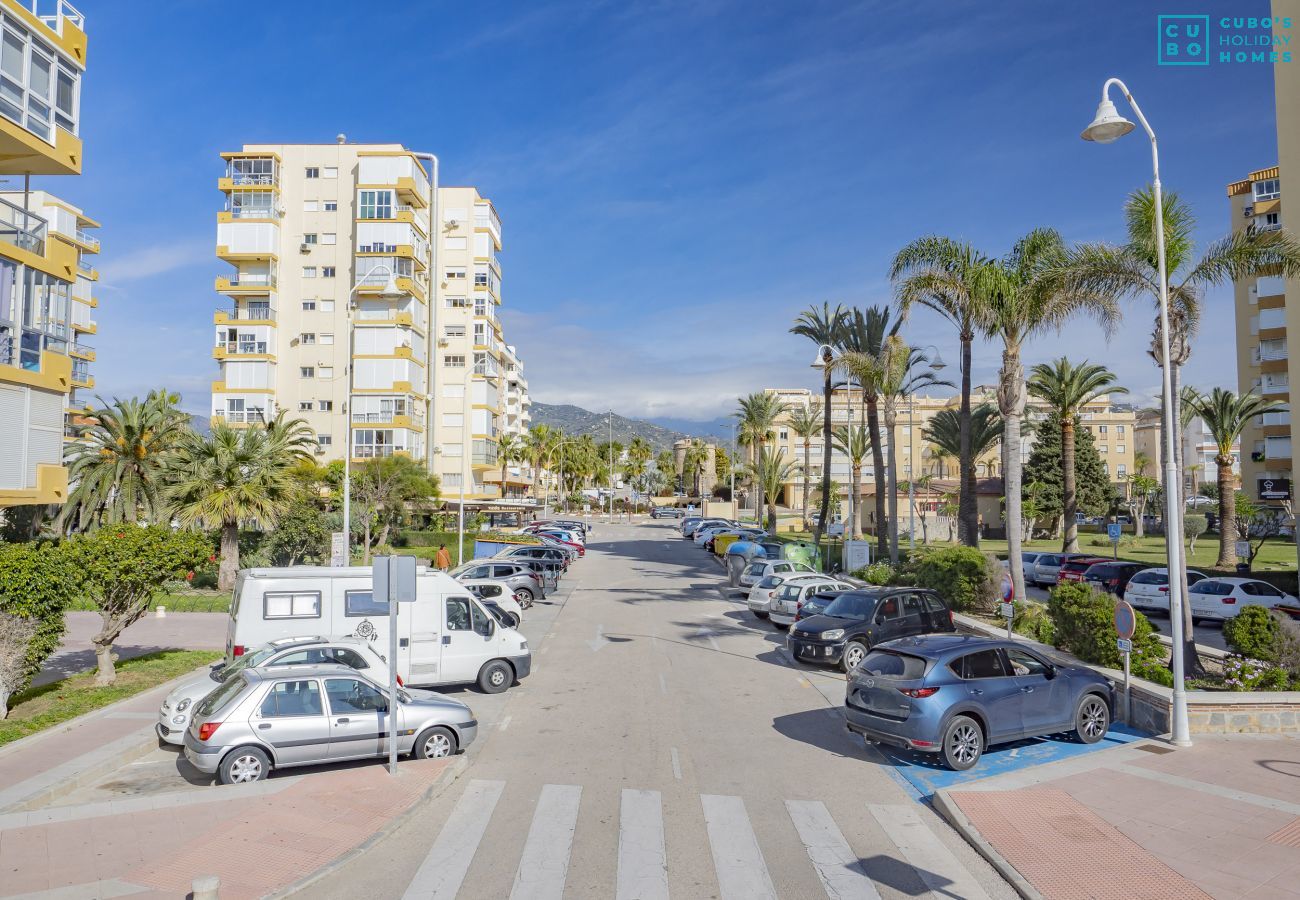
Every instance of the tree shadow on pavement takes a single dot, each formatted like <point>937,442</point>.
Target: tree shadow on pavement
<point>904,877</point>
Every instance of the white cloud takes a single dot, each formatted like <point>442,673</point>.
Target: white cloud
<point>155,259</point>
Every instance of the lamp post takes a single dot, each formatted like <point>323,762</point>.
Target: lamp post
<point>825,360</point>
<point>390,292</point>
<point>1108,126</point>
<point>938,365</point>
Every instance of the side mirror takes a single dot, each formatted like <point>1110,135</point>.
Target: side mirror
<point>218,666</point>
<point>1050,672</point>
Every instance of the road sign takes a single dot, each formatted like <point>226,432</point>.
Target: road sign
<point>338,549</point>
<point>1008,588</point>
<point>1125,645</point>
<point>1243,549</point>
<point>1114,531</point>
<point>1125,620</point>
<point>1008,609</point>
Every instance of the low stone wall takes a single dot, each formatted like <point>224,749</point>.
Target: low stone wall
<point>1208,712</point>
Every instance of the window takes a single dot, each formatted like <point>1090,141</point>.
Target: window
<point>329,237</point>
<point>1023,663</point>
<point>1101,429</point>
<point>453,331</point>
<point>326,371</point>
<point>456,274</point>
<point>913,605</point>
<point>34,92</point>
<point>331,205</point>
<point>308,271</point>
<point>325,405</point>
<point>305,406</point>
<point>327,272</point>
<point>458,617</point>
<point>363,603</point>
<point>309,238</point>
<point>1101,448</point>
<point>487,590</point>
<point>454,361</point>
<point>985,664</point>
<point>312,172</point>
<point>326,305</point>
<point>327,339</point>
<point>785,435</point>
<point>1119,448</point>
<point>310,205</point>
<point>315,656</point>
<point>308,305</point>
<point>351,695</point>
<point>457,302</point>
<point>292,698</point>
<point>306,372</point>
<point>291,605</point>
<point>1268,189</point>
<point>324,440</point>
<point>330,172</point>
<point>1119,429</point>
<point>480,278</point>
<point>306,338</point>
<point>1121,470</point>
<point>375,205</point>
<point>1211,587</point>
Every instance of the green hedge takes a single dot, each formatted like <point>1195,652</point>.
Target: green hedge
<point>965,577</point>
<point>1084,622</point>
<point>1252,633</point>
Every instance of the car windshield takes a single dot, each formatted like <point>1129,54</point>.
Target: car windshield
<point>851,606</point>
<point>217,700</point>
<point>1217,588</point>
<point>256,658</point>
<point>1149,577</point>
<point>816,605</point>
<point>892,665</point>
<point>770,581</point>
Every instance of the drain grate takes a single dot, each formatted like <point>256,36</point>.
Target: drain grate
<point>1155,748</point>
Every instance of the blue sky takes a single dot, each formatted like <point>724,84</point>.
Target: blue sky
<point>677,180</point>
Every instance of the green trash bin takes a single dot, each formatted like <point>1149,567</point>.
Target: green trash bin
<point>802,551</point>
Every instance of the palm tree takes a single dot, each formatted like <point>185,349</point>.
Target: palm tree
<point>1024,300</point>
<point>855,443</point>
<point>510,449</point>
<point>944,432</point>
<point>238,475</point>
<point>1226,415</point>
<point>639,453</point>
<point>806,421</point>
<point>824,327</point>
<point>539,442</point>
<point>945,275</point>
<point>865,334</point>
<point>769,473</point>
<point>1067,389</point>
<point>696,458</point>
<point>119,463</point>
<point>666,465</point>
<point>758,414</point>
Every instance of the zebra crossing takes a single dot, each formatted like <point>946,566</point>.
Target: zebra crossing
<point>642,863</point>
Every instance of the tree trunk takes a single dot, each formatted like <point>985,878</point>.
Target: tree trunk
<point>819,528</point>
<point>1011,403</point>
<point>807,465</point>
<point>1139,513</point>
<point>1069,492</point>
<point>855,502</point>
<point>891,417</point>
<point>758,488</point>
<point>1227,516</point>
<point>112,626</point>
<point>967,499</point>
<point>878,473</point>
<point>229,566</point>
<point>366,558</point>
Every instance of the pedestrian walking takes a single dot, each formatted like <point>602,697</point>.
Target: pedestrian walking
<point>442,559</point>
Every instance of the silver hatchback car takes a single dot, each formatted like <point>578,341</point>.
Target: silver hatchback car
<point>266,718</point>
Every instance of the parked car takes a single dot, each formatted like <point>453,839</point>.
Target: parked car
<point>1048,566</point>
<point>815,603</point>
<point>688,524</point>
<point>1219,599</point>
<point>536,551</point>
<point>857,620</point>
<point>1148,590</point>
<point>550,539</point>
<point>1072,569</point>
<point>760,597</point>
<point>263,719</point>
<point>667,512</point>
<point>357,653</point>
<point>759,569</point>
<point>498,594</point>
<point>1112,576</point>
<point>783,609</point>
<point>548,570</point>
<point>688,531</point>
<point>955,695</point>
<point>525,584</point>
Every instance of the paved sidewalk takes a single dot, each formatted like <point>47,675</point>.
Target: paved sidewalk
<point>191,631</point>
<point>1220,819</point>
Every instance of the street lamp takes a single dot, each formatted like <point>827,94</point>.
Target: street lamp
<point>390,292</point>
<point>1108,126</point>
<point>938,365</point>
<point>825,360</point>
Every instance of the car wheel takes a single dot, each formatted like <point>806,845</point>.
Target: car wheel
<point>963,743</point>
<point>435,743</point>
<point>780,625</point>
<point>1092,719</point>
<point>495,677</point>
<point>524,597</point>
<point>761,615</point>
<point>854,653</point>
<point>244,765</point>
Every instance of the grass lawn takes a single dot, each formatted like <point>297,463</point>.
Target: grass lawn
<point>36,709</point>
<point>193,600</point>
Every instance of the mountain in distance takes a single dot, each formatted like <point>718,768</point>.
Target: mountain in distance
<point>717,430</point>
<point>574,420</point>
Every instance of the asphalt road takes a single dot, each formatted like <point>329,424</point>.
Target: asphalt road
<point>665,745</point>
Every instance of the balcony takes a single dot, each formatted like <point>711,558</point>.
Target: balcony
<point>258,314</point>
<point>246,283</point>
<point>254,416</point>
<point>486,219</point>
<point>226,349</point>
<point>22,229</point>
<point>81,351</point>
<point>86,269</point>
<point>259,213</point>
<point>89,326</point>
<point>484,453</point>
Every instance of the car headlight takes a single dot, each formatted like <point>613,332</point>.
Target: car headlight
<point>523,645</point>
<point>178,720</point>
<point>833,635</point>
<point>183,705</point>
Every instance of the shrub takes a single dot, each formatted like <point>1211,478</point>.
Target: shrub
<point>1085,625</point>
<point>1033,621</point>
<point>1241,673</point>
<point>1288,643</point>
<point>1253,634</point>
<point>876,573</point>
<point>965,577</point>
<point>37,581</point>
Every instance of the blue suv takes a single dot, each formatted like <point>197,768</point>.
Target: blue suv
<point>956,694</point>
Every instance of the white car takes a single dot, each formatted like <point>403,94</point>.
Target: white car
<point>759,569</point>
<point>496,593</point>
<point>761,595</point>
<point>1148,590</point>
<point>793,591</point>
<point>174,715</point>
<point>1220,599</point>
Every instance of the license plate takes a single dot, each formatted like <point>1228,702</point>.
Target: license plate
<point>807,651</point>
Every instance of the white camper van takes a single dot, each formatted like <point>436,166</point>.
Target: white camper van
<point>444,637</point>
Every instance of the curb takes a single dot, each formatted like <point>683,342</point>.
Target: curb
<point>448,777</point>
<point>953,815</point>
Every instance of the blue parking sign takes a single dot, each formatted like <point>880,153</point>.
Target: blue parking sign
<point>1114,530</point>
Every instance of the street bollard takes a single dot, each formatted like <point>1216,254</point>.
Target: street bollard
<point>160,613</point>
<point>205,887</point>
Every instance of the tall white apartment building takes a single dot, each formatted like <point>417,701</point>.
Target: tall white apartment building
<point>313,231</point>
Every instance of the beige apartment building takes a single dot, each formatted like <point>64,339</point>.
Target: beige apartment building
<point>45,298</point>
<point>1200,452</point>
<point>360,293</point>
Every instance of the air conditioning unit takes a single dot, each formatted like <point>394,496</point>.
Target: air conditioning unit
<point>1248,210</point>
<point>304,247</point>
<point>320,451</point>
<point>443,342</point>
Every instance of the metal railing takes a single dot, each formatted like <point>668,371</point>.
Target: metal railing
<point>22,228</point>
<point>373,451</point>
<point>250,280</point>
<point>254,212</point>
<point>258,179</point>
<point>78,347</point>
<point>383,418</point>
<point>62,10</point>
<point>253,313</point>
<point>88,239</point>
<point>253,416</point>
<point>242,347</point>
<point>83,266</point>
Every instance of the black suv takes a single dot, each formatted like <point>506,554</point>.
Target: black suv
<point>857,620</point>
<point>1112,576</point>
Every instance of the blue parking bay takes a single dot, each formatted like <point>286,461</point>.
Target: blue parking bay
<point>922,773</point>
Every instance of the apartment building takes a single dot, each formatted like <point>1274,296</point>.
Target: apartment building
<point>1262,322</point>
<point>1200,452</point>
<point>42,61</point>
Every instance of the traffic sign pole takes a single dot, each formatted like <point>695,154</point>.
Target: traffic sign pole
<point>1125,626</point>
<point>1008,601</point>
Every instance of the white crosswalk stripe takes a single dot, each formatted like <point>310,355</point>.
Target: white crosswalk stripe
<point>443,870</point>
<point>545,862</point>
<point>643,867</point>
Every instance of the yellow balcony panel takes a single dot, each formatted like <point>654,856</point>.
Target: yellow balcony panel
<point>92,302</point>
<point>229,184</point>
<point>232,256</point>
<point>51,487</point>
<point>226,215</point>
<point>87,272</point>
<point>1267,206</point>
<point>244,287</point>
<point>55,373</point>
<point>224,353</point>
<point>1276,430</point>
<point>1274,365</point>
<point>59,259</point>
<point>1271,334</point>
<point>242,317</point>
<point>219,387</point>
<point>22,152</point>
<point>409,193</point>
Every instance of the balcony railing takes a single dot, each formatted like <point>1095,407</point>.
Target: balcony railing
<point>243,347</point>
<point>22,228</point>
<point>246,280</point>
<point>253,212</point>
<point>382,418</point>
<point>83,266</point>
<point>256,179</point>
<point>80,371</point>
<point>78,347</point>
<point>373,451</point>
<point>254,416</point>
<point>88,239</point>
<point>253,313</point>
<point>485,453</point>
